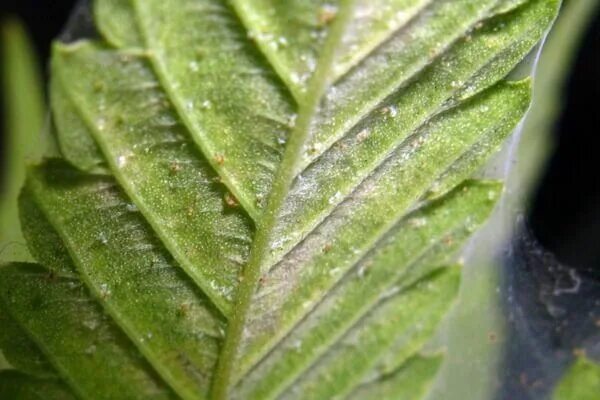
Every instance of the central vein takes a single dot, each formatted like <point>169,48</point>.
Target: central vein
<point>292,157</point>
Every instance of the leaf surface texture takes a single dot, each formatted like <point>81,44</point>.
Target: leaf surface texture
<point>262,199</point>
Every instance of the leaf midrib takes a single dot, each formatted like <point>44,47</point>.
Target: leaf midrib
<point>348,324</point>
<point>379,161</point>
<point>370,106</point>
<point>243,11</point>
<point>382,38</point>
<point>254,267</point>
<point>372,244</point>
<point>308,109</point>
<point>381,231</point>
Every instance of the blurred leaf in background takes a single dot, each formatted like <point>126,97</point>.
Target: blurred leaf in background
<point>24,110</point>
<point>581,382</point>
<point>555,63</point>
<point>538,143</point>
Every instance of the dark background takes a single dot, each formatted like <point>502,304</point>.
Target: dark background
<point>566,212</point>
<point>44,19</point>
<point>564,217</point>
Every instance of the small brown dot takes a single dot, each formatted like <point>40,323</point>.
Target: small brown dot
<point>230,200</point>
<point>327,248</point>
<point>174,167</point>
<point>492,337</point>
<point>219,159</point>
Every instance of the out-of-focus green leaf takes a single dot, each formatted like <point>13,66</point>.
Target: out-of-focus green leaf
<point>24,112</point>
<point>581,382</point>
<point>93,356</point>
<point>18,386</point>
<point>410,381</point>
<point>550,80</point>
<point>116,254</point>
<point>20,351</point>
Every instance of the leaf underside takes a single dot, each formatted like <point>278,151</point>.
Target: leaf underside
<point>260,199</point>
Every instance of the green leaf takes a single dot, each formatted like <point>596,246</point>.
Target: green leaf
<point>264,197</point>
<point>581,382</point>
<point>557,57</point>
<point>236,111</point>
<point>332,177</point>
<point>126,268</point>
<point>476,333</point>
<point>85,347</point>
<point>401,325</point>
<point>410,381</point>
<point>16,385</point>
<point>20,351</point>
<point>24,112</point>
<point>293,287</point>
<point>22,140</point>
<point>423,240</point>
<point>122,107</point>
<point>22,354</point>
